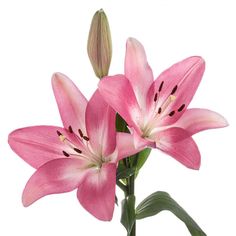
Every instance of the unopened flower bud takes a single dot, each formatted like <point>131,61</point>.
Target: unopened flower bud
<point>99,44</point>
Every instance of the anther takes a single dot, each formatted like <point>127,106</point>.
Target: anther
<point>159,110</point>
<point>59,133</point>
<point>155,97</point>
<point>65,154</point>
<point>77,150</point>
<point>160,87</point>
<point>80,133</point>
<point>86,138</point>
<point>174,90</point>
<point>70,129</point>
<point>172,113</point>
<point>181,108</point>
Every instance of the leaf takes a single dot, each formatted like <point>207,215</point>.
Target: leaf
<point>121,125</point>
<point>141,159</point>
<point>128,212</point>
<point>160,201</point>
<point>125,173</point>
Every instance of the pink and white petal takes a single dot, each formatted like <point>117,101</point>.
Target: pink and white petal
<point>195,120</point>
<point>118,93</point>
<point>181,80</point>
<point>97,192</point>
<point>126,145</point>
<point>100,124</point>
<point>182,148</point>
<point>137,70</point>
<point>56,176</point>
<point>71,102</point>
<point>37,144</point>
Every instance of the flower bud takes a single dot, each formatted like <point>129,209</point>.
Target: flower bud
<point>99,44</point>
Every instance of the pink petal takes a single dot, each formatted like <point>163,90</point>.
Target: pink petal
<point>126,145</point>
<point>100,124</point>
<point>185,151</point>
<point>181,80</point>
<point>71,102</point>
<point>56,176</point>
<point>137,70</point>
<point>37,144</point>
<point>196,120</point>
<point>118,93</point>
<point>97,192</point>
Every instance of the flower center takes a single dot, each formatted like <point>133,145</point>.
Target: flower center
<point>160,111</point>
<point>80,147</point>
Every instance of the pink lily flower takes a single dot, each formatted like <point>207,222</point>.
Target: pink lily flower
<point>83,154</point>
<point>156,110</point>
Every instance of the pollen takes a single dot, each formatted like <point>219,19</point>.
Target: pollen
<point>62,138</point>
<point>172,98</point>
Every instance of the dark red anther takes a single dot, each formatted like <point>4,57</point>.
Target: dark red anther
<point>159,110</point>
<point>70,129</point>
<point>160,87</point>
<point>181,108</point>
<point>86,138</point>
<point>59,133</point>
<point>65,154</point>
<point>172,113</point>
<point>80,133</point>
<point>77,150</point>
<point>174,90</point>
<point>155,97</point>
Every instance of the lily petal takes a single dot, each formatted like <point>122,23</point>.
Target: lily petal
<point>71,102</point>
<point>100,124</point>
<point>56,176</point>
<point>196,120</point>
<point>137,70</point>
<point>97,192</point>
<point>118,93</point>
<point>178,84</point>
<point>177,143</point>
<point>37,144</point>
<point>126,145</point>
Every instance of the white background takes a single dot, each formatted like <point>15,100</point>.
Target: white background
<point>38,38</point>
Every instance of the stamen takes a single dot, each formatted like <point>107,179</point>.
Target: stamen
<point>167,102</point>
<point>86,138</point>
<point>181,108</point>
<point>77,150</point>
<point>70,129</point>
<point>59,133</point>
<point>160,87</point>
<point>174,90</point>
<point>65,154</point>
<point>159,110</point>
<point>172,113</point>
<point>155,97</point>
<point>80,133</point>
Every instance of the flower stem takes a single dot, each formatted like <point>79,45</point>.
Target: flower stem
<point>131,191</point>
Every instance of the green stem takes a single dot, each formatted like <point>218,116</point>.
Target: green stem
<point>131,191</point>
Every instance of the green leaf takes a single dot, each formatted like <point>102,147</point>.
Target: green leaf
<point>121,125</point>
<point>125,173</point>
<point>141,159</point>
<point>128,213</point>
<point>160,201</point>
